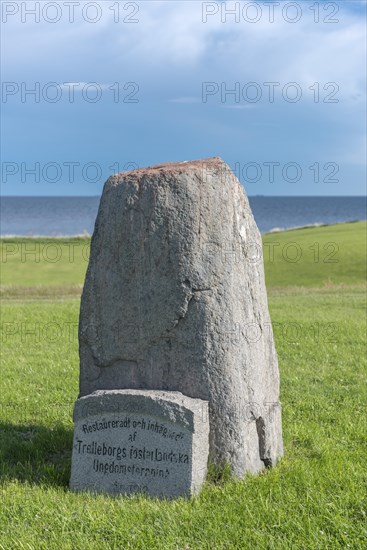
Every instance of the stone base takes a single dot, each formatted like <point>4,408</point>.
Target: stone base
<point>149,441</point>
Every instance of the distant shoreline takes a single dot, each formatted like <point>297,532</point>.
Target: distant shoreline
<point>308,226</point>
<point>87,236</point>
<point>248,196</point>
<point>75,217</point>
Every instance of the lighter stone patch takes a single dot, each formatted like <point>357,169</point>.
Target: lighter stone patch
<point>243,233</point>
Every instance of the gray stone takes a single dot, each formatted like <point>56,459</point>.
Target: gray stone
<point>174,299</point>
<point>128,441</point>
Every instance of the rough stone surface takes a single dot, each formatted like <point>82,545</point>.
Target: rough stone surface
<point>128,441</point>
<point>174,299</point>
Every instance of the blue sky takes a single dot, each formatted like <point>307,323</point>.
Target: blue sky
<point>175,67</point>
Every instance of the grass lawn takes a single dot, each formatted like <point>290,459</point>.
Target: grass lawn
<point>315,498</point>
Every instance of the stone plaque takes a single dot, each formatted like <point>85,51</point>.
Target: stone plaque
<point>128,441</point>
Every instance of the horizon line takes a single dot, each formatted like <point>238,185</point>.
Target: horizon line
<point>99,196</point>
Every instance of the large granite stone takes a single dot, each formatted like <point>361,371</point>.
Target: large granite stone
<point>128,441</point>
<point>174,299</point>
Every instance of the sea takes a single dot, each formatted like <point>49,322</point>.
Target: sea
<point>70,216</point>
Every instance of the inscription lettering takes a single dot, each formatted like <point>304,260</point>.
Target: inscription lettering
<point>152,426</point>
<point>155,455</point>
<point>124,469</point>
<point>117,449</point>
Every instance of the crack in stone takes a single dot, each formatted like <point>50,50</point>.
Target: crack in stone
<point>201,289</point>
<point>181,317</point>
<point>193,290</point>
<point>260,428</point>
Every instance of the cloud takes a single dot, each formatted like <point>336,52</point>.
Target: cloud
<point>186,100</point>
<point>170,53</point>
<point>78,86</point>
<point>171,44</point>
<point>247,106</point>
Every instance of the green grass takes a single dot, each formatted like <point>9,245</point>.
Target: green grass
<point>331,255</point>
<point>49,262</point>
<point>316,256</point>
<point>315,498</point>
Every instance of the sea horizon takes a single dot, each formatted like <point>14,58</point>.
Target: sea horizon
<point>74,216</point>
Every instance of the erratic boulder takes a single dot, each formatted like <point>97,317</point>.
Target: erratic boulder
<point>174,300</point>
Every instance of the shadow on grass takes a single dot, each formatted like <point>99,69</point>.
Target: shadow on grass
<point>35,454</point>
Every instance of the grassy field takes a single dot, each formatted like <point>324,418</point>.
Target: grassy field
<point>315,498</point>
